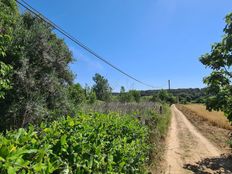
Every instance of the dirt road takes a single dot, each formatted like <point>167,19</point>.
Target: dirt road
<point>188,151</point>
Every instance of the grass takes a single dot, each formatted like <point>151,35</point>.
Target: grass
<point>216,118</point>
<point>158,133</point>
<point>141,109</point>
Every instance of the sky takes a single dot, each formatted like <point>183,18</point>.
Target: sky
<point>152,40</point>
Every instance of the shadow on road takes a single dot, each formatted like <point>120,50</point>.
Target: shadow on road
<point>219,165</point>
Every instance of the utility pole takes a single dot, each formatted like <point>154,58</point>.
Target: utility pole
<point>169,85</point>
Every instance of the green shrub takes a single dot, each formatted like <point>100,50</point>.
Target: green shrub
<point>88,143</point>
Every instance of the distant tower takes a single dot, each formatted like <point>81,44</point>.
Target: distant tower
<point>169,85</point>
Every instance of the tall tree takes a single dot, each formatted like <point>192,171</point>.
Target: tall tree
<point>219,81</point>
<point>40,74</point>
<point>102,88</point>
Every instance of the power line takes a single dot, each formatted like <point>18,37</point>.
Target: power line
<point>59,29</point>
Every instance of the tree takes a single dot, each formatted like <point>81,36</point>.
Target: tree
<point>90,95</point>
<point>155,97</point>
<point>135,95</point>
<point>77,94</point>
<point>101,88</point>
<point>123,97</point>
<point>219,81</point>
<point>164,96</point>
<point>129,96</point>
<point>122,90</point>
<point>40,74</point>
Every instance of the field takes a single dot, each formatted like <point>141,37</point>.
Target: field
<point>212,125</point>
<point>216,118</point>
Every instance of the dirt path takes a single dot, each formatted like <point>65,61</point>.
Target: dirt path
<point>188,151</point>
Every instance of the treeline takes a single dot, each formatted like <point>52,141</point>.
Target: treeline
<point>185,95</point>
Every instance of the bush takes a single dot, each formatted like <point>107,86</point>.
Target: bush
<point>88,143</point>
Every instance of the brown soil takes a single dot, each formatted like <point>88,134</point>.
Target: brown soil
<point>218,136</point>
<point>188,151</point>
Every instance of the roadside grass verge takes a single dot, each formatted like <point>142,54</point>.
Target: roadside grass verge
<point>158,134</point>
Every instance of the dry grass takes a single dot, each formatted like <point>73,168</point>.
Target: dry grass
<point>142,108</point>
<point>214,117</point>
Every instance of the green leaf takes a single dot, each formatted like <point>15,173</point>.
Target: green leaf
<point>63,140</point>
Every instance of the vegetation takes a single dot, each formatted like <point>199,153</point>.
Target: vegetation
<point>5,85</point>
<point>188,95</point>
<point>212,125</point>
<point>92,143</point>
<point>129,96</point>
<point>216,118</point>
<point>38,62</point>
<point>36,95</point>
<point>77,94</point>
<point>90,95</point>
<point>163,96</point>
<point>101,88</point>
<point>219,81</point>
<point>8,15</point>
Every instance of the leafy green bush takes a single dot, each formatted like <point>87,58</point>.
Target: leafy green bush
<point>88,143</point>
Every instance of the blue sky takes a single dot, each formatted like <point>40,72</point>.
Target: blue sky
<point>152,40</point>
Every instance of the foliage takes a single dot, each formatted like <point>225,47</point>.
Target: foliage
<point>141,109</point>
<point>185,95</point>
<point>8,16</point>
<point>90,95</point>
<point>4,79</point>
<point>136,95</point>
<point>40,74</point>
<point>124,96</point>
<point>163,96</point>
<point>93,143</point>
<point>130,96</point>
<point>219,81</point>
<point>77,94</point>
<point>101,88</point>
<point>155,98</point>
<point>163,121</point>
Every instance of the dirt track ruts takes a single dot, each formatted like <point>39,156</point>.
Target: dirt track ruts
<point>187,148</point>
